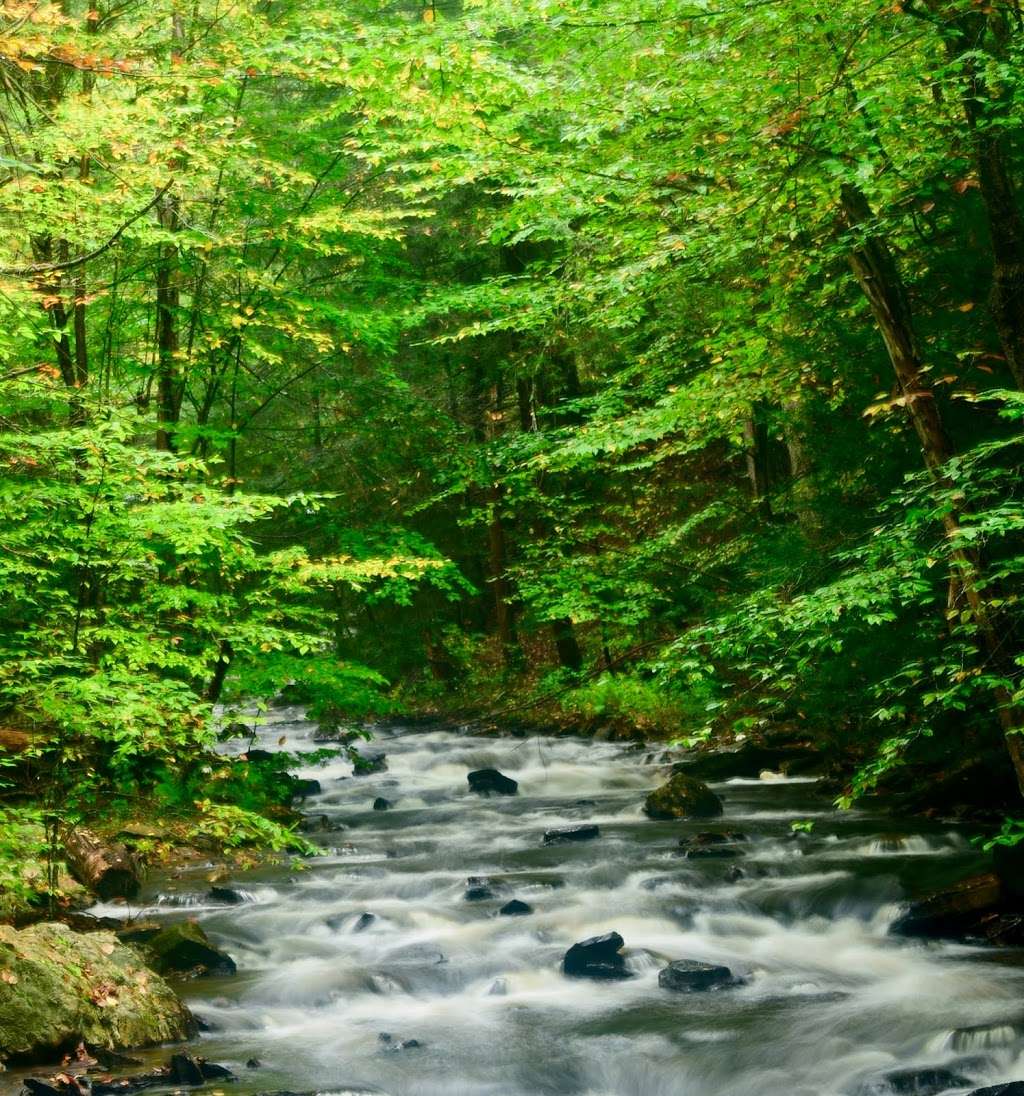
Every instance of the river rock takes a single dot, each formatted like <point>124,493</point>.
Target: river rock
<point>227,896</point>
<point>381,804</point>
<point>515,908</point>
<point>368,764</point>
<point>567,834</point>
<point>711,846</point>
<point>185,1070</point>
<point>304,788</point>
<point>479,892</point>
<point>184,948</point>
<point>921,1082</point>
<point>599,957</point>
<point>682,797</point>
<point>956,911</point>
<point>491,782</point>
<point>58,987</point>
<point>689,976</point>
<point>1012,1088</point>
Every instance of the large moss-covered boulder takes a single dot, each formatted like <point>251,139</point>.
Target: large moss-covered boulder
<point>185,949</point>
<point>58,986</point>
<point>683,797</point>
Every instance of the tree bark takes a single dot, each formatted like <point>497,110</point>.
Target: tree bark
<point>880,281</point>
<point>110,871</point>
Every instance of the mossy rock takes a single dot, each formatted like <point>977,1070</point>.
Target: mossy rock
<point>58,986</point>
<point>185,948</point>
<point>683,797</point>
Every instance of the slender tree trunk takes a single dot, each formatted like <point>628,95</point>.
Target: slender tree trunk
<point>755,437</point>
<point>879,279</point>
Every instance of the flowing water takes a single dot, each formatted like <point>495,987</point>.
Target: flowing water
<point>829,1004</point>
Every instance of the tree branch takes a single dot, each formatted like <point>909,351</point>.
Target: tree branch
<point>81,260</point>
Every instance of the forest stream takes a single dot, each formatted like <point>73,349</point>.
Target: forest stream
<point>434,992</point>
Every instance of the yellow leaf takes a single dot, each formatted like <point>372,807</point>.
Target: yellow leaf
<point>428,15</point>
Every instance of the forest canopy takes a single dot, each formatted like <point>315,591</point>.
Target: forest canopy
<point>655,364</point>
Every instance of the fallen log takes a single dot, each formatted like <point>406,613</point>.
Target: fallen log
<point>108,870</point>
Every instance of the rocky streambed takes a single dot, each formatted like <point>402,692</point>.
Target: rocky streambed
<point>560,940</point>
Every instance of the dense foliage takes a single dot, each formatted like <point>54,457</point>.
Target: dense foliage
<point>658,362</point>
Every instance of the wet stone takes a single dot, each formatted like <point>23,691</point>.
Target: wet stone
<point>689,976</point>
<point>381,804</point>
<point>515,908</point>
<point>227,896</point>
<point>491,782</point>
<point>1012,1088</point>
<point>568,834</point>
<point>598,957</point>
<point>920,1082</point>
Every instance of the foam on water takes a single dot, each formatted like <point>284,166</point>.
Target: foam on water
<point>829,1000</point>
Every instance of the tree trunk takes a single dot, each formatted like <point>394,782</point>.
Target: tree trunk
<point>879,279</point>
<point>570,656</point>
<point>167,331</point>
<point>755,437</point>
<point>109,871</point>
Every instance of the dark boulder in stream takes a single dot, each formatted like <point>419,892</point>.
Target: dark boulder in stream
<point>682,797</point>
<point>1012,1088</point>
<point>491,782</point>
<point>918,1082</point>
<point>227,896</point>
<point>963,909</point>
<point>185,949</point>
<point>599,957</point>
<point>515,908</point>
<point>303,789</point>
<point>689,976</point>
<point>568,834</point>
<point>381,804</point>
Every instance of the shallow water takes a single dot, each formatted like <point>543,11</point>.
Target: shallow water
<point>830,1002</point>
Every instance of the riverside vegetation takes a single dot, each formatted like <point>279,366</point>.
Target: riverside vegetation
<point>654,369</point>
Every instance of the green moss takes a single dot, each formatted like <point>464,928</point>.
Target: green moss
<point>683,797</point>
<point>58,986</point>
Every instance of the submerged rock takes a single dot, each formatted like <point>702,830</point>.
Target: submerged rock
<point>479,892</point>
<point>185,949</point>
<point>515,908</point>
<point>304,788</point>
<point>491,782</point>
<point>391,1043</point>
<point>567,834</point>
<point>599,957</point>
<point>58,987</point>
<point>682,797</point>
<point>689,976</point>
<point>381,804</point>
<point>1012,1088</point>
